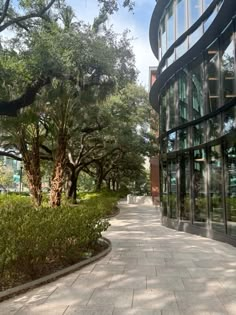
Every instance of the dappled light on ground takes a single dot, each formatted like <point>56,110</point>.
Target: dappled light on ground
<point>151,270</point>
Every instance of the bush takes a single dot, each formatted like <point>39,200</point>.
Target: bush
<point>31,236</point>
<point>104,201</point>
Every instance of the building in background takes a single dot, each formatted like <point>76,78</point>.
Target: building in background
<point>195,96</point>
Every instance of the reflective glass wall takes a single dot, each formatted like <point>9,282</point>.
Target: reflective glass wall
<point>198,137</point>
<point>201,87</point>
<point>230,186</point>
<point>177,18</point>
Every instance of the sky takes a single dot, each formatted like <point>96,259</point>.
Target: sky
<point>138,24</point>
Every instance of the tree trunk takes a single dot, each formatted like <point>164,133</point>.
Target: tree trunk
<point>72,189</point>
<point>98,185</point>
<point>34,182</point>
<point>99,177</point>
<point>113,185</point>
<point>58,172</point>
<point>99,182</point>
<point>31,160</point>
<point>108,182</point>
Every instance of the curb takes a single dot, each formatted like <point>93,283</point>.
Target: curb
<point>49,278</point>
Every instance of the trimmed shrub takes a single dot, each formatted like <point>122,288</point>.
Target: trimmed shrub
<point>30,236</point>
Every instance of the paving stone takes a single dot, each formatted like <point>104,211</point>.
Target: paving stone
<point>128,281</point>
<point>201,302</point>
<point>134,311</point>
<point>92,281</point>
<point>112,297</point>
<point>10,307</point>
<point>162,282</point>
<point>109,267</point>
<point>151,261</point>
<point>56,309</point>
<point>70,296</point>
<point>78,310</point>
<point>124,261</point>
<point>171,271</point>
<point>157,299</point>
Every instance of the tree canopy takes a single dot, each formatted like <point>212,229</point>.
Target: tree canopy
<point>88,114</point>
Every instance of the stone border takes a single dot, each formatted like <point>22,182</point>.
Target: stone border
<point>49,278</point>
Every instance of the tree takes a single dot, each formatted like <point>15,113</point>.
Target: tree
<point>21,139</point>
<point>96,71</point>
<point>28,11</point>
<point>6,175</point>
<point>125,141</point>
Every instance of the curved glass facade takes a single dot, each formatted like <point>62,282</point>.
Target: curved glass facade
<point>177,18</point>
<point>174,24</point>
<point>197,109</point>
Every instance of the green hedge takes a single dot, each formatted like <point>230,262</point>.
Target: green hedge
<point>30,236</point>
<point>104,201</point>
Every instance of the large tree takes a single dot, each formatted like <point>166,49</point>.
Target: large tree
<point>21,140</point>
<point>21,17</point>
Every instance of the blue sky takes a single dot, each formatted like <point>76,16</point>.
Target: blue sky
<point>137,22</point>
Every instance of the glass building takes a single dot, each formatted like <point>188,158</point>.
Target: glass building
<point>195,96</point>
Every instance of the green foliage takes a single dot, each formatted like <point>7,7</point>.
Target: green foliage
<point>105,200</point>
<point>30,236</point>
<point>6,175</point>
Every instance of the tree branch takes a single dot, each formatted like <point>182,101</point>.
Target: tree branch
<point>10,108</point>
<point>27,16</point>
<point>10,155</point>
<point>4,12</point>
<point>46,149</point>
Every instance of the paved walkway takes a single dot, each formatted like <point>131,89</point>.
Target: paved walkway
<point>151,270</point>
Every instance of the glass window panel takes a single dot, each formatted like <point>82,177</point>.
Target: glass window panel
<point>181,22</point>
<point>195,10</point>
<point>183,98</point>
<point>213,128</point>
<point>199,187</point>
<point>185,187</point>
<point>171,59</point>
<point>209,20</point>
<point>213,76</point>
<point>197,92</point>
<point>164,188</point>
<point>183,139</point>
<point>230,174</point>
<point>206,4</point>
<point>171,146</point>
<point>159,43</point>
<point>163,99</point>
<point>171,107</point>
<point>170,26</point>
<point>228,71</point>
<point>172,189</point>
<point>195,36</point>
<point>215,187</point>
<point>181,49</point>
<point>163,37</point>
<point>229,123</point>
<point>199,132</point>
